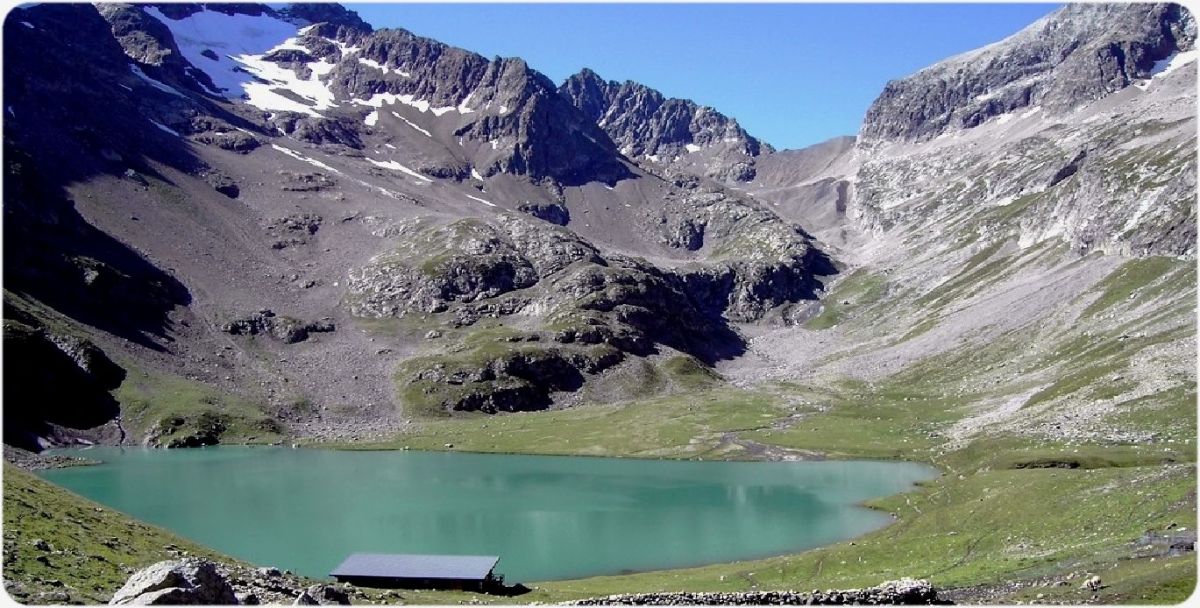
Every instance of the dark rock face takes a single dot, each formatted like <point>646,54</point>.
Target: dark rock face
<point>644,123</point>
<point>222,183</point>
<point>144,38</point>
<point>550,212</point>
<point>202,430</point>
<point>339,130</point>
<point>331,13</point>
<point>63,380</point>
<point>148,42</point>
<point>233,141</point>
<point>520,379</point>
<point>1076,55</point>
<point>285,329</point>
<point>53,255</point>
<point>632,305</point>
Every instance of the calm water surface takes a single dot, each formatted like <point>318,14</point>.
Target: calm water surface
<point>546,517</point>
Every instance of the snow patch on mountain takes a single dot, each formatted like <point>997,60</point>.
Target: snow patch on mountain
<point>227,37</point>
<point>1165,66</point>
<point>263,91</point>
<point>476,198</point>
<point>395,166</point>
<point>300,157</point>
<point>412,124</point>
<point>383,68</point>
<point>377,100</point>
<point>165,128</point>
<point>154,83</point>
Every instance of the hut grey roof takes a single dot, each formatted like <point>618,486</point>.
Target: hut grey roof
<point>389,565</point>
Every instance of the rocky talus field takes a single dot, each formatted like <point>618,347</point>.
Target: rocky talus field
<point>242,223</point>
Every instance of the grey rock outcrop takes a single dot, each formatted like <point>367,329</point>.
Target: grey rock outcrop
<point>465,261</point>
<point>283,328</point>
<point>331,13</point>
<point>1071,57</point>
<point>1118,176</point>
<point>550,212</point>
<point>341,130</point>
<point>645,124</point>
<point>149,43</point>
<point>186,581</point>
<point>538,133</point>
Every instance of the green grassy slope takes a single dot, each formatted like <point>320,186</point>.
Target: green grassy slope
<point>91,549</point>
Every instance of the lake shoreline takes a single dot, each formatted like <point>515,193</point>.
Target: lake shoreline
<point>631,513</point>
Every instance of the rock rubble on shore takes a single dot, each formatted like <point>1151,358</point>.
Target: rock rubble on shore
<point>196,580</point>
<point>903,591</point>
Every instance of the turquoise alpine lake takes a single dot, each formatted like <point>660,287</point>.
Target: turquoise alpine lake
<point>547,517</point>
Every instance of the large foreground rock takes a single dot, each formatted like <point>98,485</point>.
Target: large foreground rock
<point>185,581</point>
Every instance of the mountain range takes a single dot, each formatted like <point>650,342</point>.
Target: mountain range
<point>269,224</point>
<point>231,222</point>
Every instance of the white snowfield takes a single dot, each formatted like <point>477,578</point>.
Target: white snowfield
<point>412,124</point>
<point>395,166</point>
<point>476,198</point>
<point>377,100</point>
<point>165,127</point>
<point>265,96</point>
<point>1163,67</point>
<point>383,68</point>
<point>154,83</point>
<point>227,36</point>
<point>300,157</point>
<point>239,43</point>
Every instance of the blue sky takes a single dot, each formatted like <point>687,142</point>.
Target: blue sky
<point>792,74</point>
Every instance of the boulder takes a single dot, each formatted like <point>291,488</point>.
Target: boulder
<point>185,581</point>
<point>322,595</point>
<point>549,212</point>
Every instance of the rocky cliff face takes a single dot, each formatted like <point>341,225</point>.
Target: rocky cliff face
<point>580,311</point>
<point>64,383</point>
<point>646,125</point>
<point>503,115</point>
<point>1077,129</point>
<point>1070,58</point>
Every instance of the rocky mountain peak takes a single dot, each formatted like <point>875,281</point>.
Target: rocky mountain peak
<point>1074,56</point>
<point>322,75</point>
<point>647,125</point>
<point>501,102</point>
<point>331,13</point>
